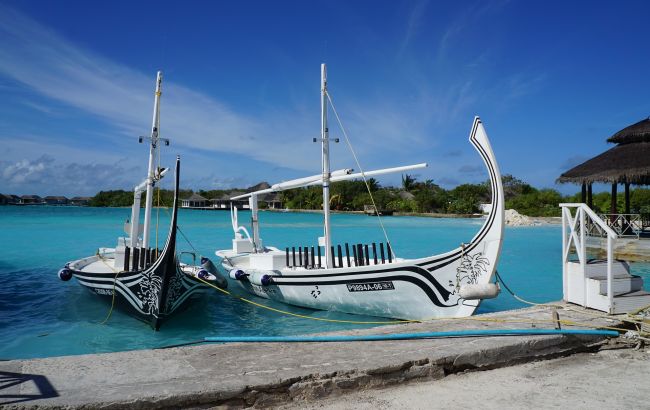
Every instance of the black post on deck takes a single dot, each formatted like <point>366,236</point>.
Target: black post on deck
<point>354,253</point>
<point>347,253</point>
<point>293,256</point>
<point>338,247</point>
<point>613,209</point>
<point>127,255</point>
<point>306,257</point>
<point>374,252</point>
<point>313,259</point>
<point>319,260</point>
<point>360,254</point>
<point>136,258</point>
<point>287,256</point>
<point>390,252</point>
<point>143,253</point>
<point>300,255</point>
<point>332,256</point>
<point>147,257</point>
<point>365,248</point>
<point>381,251</point>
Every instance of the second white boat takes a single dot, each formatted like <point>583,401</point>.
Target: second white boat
<point>370,280</point>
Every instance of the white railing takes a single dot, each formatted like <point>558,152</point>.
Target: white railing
<point>577,219</point>
<point>624,224</point>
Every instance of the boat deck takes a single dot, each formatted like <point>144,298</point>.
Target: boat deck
<point>100,266</point>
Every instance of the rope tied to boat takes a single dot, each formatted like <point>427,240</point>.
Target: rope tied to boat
<point>526,320</point>
<point>110,311</point>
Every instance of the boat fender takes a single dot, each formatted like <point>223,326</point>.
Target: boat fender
<point>479,291</point>
<point>207,264</point>
<point>65,274</point>
<point>259,277</point>
<point>203,274</point>
<point>238,274</point>
<point>266,280</point>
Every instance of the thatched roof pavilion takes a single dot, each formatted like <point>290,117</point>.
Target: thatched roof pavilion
<point>626,163</point>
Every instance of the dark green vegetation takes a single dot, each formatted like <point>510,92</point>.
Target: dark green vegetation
<point>426,196</point>
<point>125,198</point>
<point>412,196</point>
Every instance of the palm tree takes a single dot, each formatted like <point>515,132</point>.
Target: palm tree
<point>408,182</point>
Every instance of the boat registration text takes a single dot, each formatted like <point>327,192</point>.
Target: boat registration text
<point>370,286</point>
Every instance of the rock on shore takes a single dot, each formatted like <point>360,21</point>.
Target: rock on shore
<point>514,218</point>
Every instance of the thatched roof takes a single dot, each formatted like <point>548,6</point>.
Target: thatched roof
<point>405,195</point>
<point>196,198</point>
<point>262,185</point>
<point>639,132</point>
<point>270,197</point>
<point>625,162</point>
<point>237,193</point>
<point>223,197</point>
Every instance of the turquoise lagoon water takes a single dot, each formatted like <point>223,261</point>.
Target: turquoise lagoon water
<point>41,316</point>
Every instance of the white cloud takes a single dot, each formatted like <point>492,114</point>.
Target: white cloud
<point>45,176</point>
<point>48,63</point>
<point>26,171</point>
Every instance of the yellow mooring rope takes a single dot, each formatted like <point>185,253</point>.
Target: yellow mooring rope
<point>392,322</point>
<point>110,311</point>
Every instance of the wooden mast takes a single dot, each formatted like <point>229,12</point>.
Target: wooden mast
<point>155,126</point>
<point>326,168</point>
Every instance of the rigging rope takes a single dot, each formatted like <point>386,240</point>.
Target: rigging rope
<point>363,174</point>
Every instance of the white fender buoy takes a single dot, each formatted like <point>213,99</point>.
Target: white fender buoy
<point>479,291</point>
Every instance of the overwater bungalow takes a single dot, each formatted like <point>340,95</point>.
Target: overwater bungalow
<point>56,200</point>
<point>271,200</point>
<point>9,199</point>
<point>31,200</point>
<point>80,201</point>
<point>239,203</point>
<point>223,202</point>
<point>195,201</point>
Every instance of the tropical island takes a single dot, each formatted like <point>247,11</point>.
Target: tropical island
<point>412,196</point>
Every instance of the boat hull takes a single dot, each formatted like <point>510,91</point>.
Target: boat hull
<point>135,292</point>
<point>412,290</point>
<point>151,293</point>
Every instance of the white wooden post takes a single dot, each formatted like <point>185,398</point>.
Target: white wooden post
<point>255,226</point>
<point>135,219</point>
<point>610,256</point>
<point>565,290</point>
<point>583,255</point>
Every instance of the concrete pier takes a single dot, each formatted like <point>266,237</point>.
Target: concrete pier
<point>267,374</point>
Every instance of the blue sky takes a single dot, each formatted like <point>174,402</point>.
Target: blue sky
<point>551,81</point>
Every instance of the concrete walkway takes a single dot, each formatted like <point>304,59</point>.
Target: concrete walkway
<point>268,374</point>
<point>608,379</point>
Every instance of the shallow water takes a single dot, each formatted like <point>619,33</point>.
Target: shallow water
<point>41,316</point>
